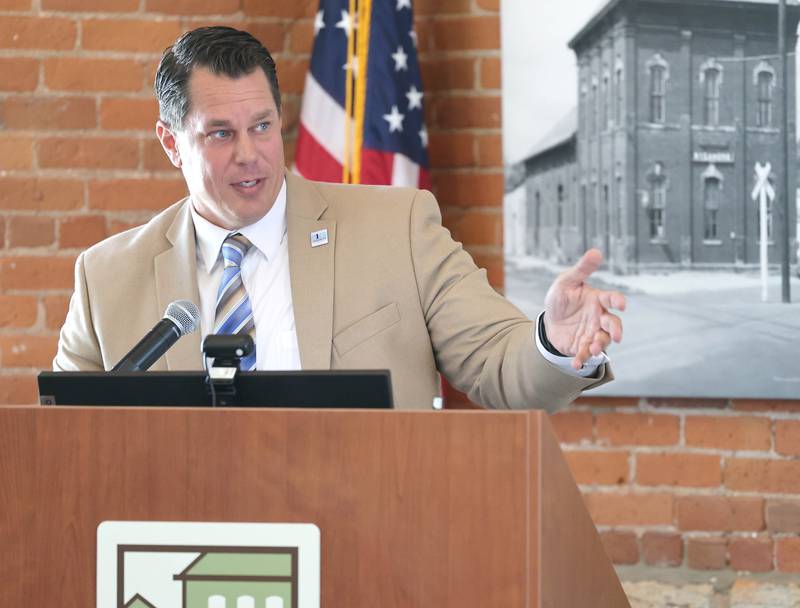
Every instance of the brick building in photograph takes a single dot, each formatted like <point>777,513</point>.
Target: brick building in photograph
<point>677,102</point>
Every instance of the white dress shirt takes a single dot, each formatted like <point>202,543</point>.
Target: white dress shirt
<point>265,274</point>
<point>587,370</point>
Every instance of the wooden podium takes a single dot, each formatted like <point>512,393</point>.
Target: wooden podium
<point>461,509</point>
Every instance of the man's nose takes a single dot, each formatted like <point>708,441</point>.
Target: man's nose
<point>245,152</point>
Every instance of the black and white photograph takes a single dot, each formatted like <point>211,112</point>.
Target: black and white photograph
<point>663,133</point>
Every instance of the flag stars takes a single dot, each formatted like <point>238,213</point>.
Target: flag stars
<point>400,59</point>
<point>395,120</point>
<point>346,23</point>
<point>414,98</point>
<point>401,4</point>
<point>352,66</point>
<point>413,35</point>
<point>423,136</point>
<point>319,22</point>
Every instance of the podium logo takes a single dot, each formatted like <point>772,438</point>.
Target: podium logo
<point>207,565</point>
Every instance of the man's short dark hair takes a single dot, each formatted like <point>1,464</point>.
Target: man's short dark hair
<point>222,50</point>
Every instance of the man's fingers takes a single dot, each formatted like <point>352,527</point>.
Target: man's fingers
<point>589,262</point>
<point>612,325</point>
<point>600,343</point>
<point>580,357</point>
<point>612,299</point>
<point>593,346</point>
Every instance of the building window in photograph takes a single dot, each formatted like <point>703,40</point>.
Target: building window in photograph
<point>620,208</point>
<point>712,191</point>
<point>711,79</point>
<point>659,196</point>
<point>764,77</point>
<point>583,212</point>
<point>605,229</point>
<point>657,207</point>
<point>659,73</point>
<point>534,216</point>
<point>619,97</point>
<point>584,110</point>
<point>606,101</point>
<point>560,212</point>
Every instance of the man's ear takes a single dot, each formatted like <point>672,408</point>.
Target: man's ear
<point>168,142</point>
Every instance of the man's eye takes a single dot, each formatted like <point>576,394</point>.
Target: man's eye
<point>221,134</point>
<point>262,126</point>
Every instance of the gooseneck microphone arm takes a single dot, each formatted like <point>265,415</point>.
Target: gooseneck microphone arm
<point>181,317</point>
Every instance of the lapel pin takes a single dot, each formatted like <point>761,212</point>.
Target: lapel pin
<point>319,237</point>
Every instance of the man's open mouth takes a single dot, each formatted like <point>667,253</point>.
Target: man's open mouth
<point>247,183</point>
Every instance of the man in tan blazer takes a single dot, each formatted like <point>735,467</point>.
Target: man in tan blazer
<point>390,288</point>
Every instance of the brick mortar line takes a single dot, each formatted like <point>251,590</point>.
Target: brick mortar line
<point>47,250</point>
<point>122,215</point>
<point>6,95</point>
<point>154,16</point>
<point>85,134</point>
<point>681,491</point>
<point>716,413</point>
<point>632,466</point>
<point>676,449</point>
<point>684,490</point>
<point>117,55</point>
<point>685,535</point>
<point>37,330</point>
<point>78,53</point>
<point>684,411</point>
<point>38,293</point>
<point>82,173</point>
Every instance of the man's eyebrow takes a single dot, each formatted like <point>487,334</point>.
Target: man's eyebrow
<point>263,115</point>
<point>217,122</point>
<point>221,122</point>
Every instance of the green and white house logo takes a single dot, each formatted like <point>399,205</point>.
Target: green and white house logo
<point>207,565</point>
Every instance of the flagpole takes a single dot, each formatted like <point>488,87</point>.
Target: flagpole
<point>785,289</point>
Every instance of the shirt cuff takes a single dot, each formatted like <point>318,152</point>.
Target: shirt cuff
<point>589,367</point>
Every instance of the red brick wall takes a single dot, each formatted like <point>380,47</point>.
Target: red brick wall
<point>79,160</point>
<point>704,484</point>
<point>709,484</point>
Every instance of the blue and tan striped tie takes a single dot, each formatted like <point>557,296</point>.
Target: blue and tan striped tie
<point>234,313</point>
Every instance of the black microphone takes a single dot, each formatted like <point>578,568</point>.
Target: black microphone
<point>181,317</point>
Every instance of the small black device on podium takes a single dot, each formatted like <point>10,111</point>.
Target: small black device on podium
<point>227,351</point>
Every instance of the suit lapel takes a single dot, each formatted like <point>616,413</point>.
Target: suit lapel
<point>176,279</point>
<point>311,270</point>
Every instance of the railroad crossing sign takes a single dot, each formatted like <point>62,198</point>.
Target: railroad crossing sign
<point>763,185</point>
<point>764,193</point>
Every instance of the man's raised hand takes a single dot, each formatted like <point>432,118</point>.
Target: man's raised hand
<point>577,317</point>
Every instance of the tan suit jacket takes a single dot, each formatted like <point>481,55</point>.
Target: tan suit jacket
<point>390,290</point>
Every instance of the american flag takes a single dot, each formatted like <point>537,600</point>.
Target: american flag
<point>362,118</point>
